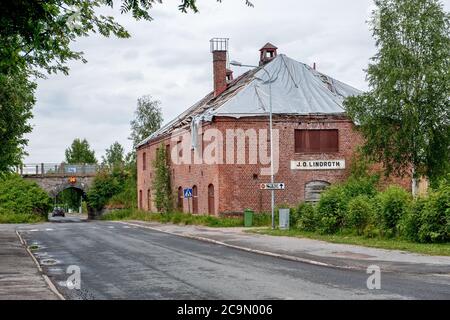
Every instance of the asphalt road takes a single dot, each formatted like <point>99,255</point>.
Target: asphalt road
<point>117,261</point>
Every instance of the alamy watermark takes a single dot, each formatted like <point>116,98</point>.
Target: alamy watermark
<point>231,146</point>
<point>374,280</point>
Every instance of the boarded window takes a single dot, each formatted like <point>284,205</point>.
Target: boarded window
<point>316,141</point>
<point>313,189</point>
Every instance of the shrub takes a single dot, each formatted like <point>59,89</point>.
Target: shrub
<point>104,187</point>
<point>392,205</point>
<point>22,197</point>
<point>354,187</point>
<point>359,213</point>
<point>331,209</point>
<point>306,217</point>
<point>435,216</point>
<point>410,223</point>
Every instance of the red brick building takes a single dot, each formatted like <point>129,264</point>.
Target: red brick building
<point>220,146</point>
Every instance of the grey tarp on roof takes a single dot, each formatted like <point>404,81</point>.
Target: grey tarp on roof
<point>297,89</point>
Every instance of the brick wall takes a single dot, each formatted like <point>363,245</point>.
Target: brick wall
<point>237,185</point>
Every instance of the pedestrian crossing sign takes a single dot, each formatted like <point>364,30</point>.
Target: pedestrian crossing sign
<point>188,193</point>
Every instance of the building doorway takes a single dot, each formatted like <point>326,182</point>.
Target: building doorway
<point>211,201</point>
<point>180,199</point>
<point>194,199</point>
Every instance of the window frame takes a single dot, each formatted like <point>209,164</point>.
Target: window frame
<point>310,151</point>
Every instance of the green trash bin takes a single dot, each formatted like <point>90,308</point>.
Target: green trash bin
<point>248,218</point>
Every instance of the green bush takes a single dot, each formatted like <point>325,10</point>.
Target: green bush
<point>392,205</point>
<point>306,217</point>
<point>411,221</point>
<point>331,209</point>
<point>359,213</point>
<point>333,203</point>
<point>22,198</point>
<point>435,216</point>
<point>366,186</point>
<point>104,187</point>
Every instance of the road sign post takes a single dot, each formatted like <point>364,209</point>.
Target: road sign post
<point>272,186</point>
<point>187,192</point>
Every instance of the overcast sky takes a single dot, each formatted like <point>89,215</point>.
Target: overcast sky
<point>169,59</point>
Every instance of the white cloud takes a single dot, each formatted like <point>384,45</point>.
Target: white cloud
<point>169,59</point>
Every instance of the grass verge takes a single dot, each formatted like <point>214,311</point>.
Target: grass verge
<point>441,249</point>
<point>186,219</point>
<point>21,218</point>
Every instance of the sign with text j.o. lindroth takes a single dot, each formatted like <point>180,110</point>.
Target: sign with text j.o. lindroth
<point>318,165</point>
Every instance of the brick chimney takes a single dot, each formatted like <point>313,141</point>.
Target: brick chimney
<point>268,53</point>
<point>219,47</point>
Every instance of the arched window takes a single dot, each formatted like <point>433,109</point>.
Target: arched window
<point>180,199</point>
<point>313,189</point>
<point>194,199</point>
<point>140,199</point>
<point>149,200</point>
<point>144,161</point>
<point>211,204</point>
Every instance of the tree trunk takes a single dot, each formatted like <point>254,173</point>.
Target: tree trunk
<point>415,184</point>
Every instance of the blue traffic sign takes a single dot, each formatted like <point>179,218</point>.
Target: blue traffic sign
<point>187,192</point>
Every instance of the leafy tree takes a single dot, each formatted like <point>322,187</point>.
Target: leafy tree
<point>80,153</point>
<point>16,102</point>
<point>22,197</point>
<point>161,185</point>
<point>148,119</point>
<point>35,36</point>
<point>114,156</point>
<point>39,33</point>
<point>104,187</point>
<point>71,197</point>
<point>405,116</point>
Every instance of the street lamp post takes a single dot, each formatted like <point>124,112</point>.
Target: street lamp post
<point>238,64</point>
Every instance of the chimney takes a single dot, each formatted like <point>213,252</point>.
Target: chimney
<point>268,53</point>
<point>314,66</point>
<point>219,47</point>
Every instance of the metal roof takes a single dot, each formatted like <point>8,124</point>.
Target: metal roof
<point>297,89</point>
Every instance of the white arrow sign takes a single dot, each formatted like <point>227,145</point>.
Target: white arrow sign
<point>272,186</point>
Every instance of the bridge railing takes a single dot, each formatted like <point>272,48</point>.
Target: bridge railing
<point>43,169</point>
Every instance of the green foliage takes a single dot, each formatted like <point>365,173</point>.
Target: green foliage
<point>405,117</point>
<point>104,187</point>
<point>333,203</point>
<point>161,185</point>
<point>23,198</point>
<point>359,212</point>
<point>80,153</point>
<point>183,218</point>
<point>331,209</point>
<point>148,119</point>
<point>71,197</point>
<point>114,156</point>
<point>392,205</point>
<point>307,217</point>
<point>411,221</point>
<point>435,216</point>
<point>16,102</point>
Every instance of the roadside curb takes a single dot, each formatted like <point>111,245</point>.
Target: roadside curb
<point>262,252</point>
<point>47,280</point>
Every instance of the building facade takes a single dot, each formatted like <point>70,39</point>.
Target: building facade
<point>220,146</point>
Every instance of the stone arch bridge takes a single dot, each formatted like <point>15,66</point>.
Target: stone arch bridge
<point>55,178</point>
